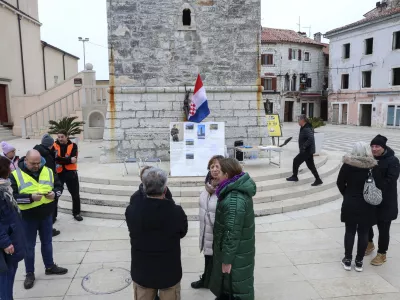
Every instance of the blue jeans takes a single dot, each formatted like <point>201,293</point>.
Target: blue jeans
<point>7,282</point>
<point>45,228</point>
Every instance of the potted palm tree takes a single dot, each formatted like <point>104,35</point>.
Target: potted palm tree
<point>72,127</point>
<point>319,136</point>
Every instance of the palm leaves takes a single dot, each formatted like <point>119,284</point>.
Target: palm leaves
<point>68,124</point>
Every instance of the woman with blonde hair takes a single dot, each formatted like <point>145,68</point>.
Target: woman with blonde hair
<point>208,205</point>
<point>356,213</point>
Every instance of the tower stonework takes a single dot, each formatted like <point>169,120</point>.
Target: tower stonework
<point>157,48</point>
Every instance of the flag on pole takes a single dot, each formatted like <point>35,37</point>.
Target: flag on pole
<point>199,106</point>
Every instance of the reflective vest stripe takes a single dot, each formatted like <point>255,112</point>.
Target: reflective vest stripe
<point>22,183</point>
<point>51,182</point>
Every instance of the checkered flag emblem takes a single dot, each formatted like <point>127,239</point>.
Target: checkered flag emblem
<point>192,110</point>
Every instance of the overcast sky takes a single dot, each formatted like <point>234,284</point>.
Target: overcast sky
<point>64,21</point>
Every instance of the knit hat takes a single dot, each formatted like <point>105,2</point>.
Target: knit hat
<point>6,147</point>
<point>47,141</point>
<point>379,140</point>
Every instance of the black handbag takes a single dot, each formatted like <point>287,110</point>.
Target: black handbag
<point>227,295</point>
<point>3,262</point>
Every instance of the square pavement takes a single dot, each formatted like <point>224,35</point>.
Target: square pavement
<point>298,258</point>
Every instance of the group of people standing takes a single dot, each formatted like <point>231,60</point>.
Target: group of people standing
<point>29,190</point>
<point>227,234</point>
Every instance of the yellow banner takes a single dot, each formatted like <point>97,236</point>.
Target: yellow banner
<point>274,125</point>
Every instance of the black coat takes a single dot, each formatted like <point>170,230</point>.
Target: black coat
<point>306,139</point>
<point>389,168</point>
<point>140,194</point>
<point>49,155</point>
<point>156,227</point>
<point>351,181</point>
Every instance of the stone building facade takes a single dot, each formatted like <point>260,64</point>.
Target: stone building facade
<point>158,48</point>
<point>365,69</point>
<point>292,73</point>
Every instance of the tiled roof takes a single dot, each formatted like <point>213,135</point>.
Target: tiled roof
<point>273,35</point>
<point>382,15</point>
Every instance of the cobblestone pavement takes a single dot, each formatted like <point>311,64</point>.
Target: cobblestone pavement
<point>298,258</point>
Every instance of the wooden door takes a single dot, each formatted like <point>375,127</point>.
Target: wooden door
<point>288,117</point>
<point>335,114</point>
<point>3,105</point>
<point>344,114</point>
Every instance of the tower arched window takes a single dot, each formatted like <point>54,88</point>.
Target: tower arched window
<point>187,17</point>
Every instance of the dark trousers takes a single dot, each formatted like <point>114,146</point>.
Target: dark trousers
<point>384,236</point>
<point>45,228</point>
<point>208,261</point>
<point>309,160</point>
<point>349,237</point>
<point>72,181</point>
<point>7,281</point>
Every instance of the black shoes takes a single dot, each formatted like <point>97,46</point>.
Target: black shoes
<point>346,263</point>
<point>358,266</point>
<point>56,232</point>
<point>292,179</point>
<point>317,182</point>
<point>157,297</point>
<point>198,284</point>
<point>78,218</point>
<point>29,281</point>
<point>56,270</point>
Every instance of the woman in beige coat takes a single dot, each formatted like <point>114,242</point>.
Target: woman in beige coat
<point>208,204</point>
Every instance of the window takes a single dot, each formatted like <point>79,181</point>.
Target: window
<point>299,57</point>
<point>346,51</point>
<point>309,83</point>
<point>366,79</point>
<point>306,56</point>
<point>326,60</point>
<point>186,17</point>
<point>393,115</point>
<point>396,76</point>
<point>345,81</point>
<point>287,82</point>
<point>269,84</point>
<point>294,83</point>
<point>269,107</point>
<point>369,46</point>
<point>293,53</point>
<point>267,59</point>
<point>396,40</point>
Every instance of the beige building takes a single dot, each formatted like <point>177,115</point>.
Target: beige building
<point>28,66</point>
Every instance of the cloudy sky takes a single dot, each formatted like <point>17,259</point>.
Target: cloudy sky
<point>64,21</point>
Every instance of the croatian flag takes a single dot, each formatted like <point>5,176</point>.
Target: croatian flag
<point>199,106</point>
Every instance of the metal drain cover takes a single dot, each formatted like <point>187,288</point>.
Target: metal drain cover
<point>106,281</point>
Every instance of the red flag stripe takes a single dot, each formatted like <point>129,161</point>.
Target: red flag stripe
<point>199,84</point>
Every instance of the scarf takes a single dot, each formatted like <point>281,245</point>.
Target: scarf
<point>5,186</point>
<point>226,182</point>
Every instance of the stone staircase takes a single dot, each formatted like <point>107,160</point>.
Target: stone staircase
<point>104,198</point>
<point>6,134</point>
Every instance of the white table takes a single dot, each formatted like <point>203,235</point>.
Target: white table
<point>258,149</point>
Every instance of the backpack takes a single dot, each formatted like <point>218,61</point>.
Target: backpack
<point>372,195</point>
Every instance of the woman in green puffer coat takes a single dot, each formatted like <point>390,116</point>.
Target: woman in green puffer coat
<point>234,234</point>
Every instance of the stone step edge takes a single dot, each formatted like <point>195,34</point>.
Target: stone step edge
<point>268,185</point>
<point>174,181</point>
<point>118,213</point>
<point>123,201</point>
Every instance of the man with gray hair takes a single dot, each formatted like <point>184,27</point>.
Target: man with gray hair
<point>307,150</point>
<point>156,226</point>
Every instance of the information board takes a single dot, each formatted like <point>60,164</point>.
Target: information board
<point>274,125</point>
<point>192,145</point>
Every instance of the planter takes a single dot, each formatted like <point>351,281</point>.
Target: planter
<point>319,141</point>
<point>74,139</point>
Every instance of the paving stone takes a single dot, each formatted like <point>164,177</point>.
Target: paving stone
<point>332,270</point>
<point>107,256</point>
<point>42,289</point>
<point>284,290</point>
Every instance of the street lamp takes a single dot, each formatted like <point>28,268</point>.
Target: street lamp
<point>84,51</point>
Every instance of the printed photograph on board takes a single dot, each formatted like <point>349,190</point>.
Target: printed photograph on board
<point>201,131</point>
<point>189,155</point>
<point>177,132</point>
<point>213,126</point>
<point>190,142</point>
<point>189,126</point>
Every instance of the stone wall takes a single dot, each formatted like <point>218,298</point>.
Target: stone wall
<point>154,56</point>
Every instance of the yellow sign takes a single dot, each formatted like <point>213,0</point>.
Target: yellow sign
<point>274,126</point>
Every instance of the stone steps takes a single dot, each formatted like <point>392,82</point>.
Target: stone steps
<point>6,134</point>
<point>260,209</point>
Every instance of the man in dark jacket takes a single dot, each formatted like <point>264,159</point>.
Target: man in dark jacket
<point>307,150</point>
<point>34,188</point>
<point>67,169</point>
<point>46,150</point>
<point>156,226</point>
<point>387,211</point>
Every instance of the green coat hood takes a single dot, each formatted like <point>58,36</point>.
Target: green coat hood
<point>244,185</point>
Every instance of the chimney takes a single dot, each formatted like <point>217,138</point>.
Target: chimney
<point>318,37</point>
<point>304,34</point>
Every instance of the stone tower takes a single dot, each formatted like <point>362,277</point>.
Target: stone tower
<point>158,47</point>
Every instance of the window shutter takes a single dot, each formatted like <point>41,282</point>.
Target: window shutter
<point>274,84</point>
<point>290,53</point>
<point>263,82</point>
<point>262,59</point>
<point>299,54</point>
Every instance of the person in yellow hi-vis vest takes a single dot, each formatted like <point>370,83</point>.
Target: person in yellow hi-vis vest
<point>34,188</point>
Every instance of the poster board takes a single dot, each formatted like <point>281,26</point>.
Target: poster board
<point>274,125</point>
<point>193,144</point>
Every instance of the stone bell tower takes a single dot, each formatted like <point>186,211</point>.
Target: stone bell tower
<point>157,48</point>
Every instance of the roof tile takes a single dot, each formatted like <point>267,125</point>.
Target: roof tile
<point>273,35</point>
